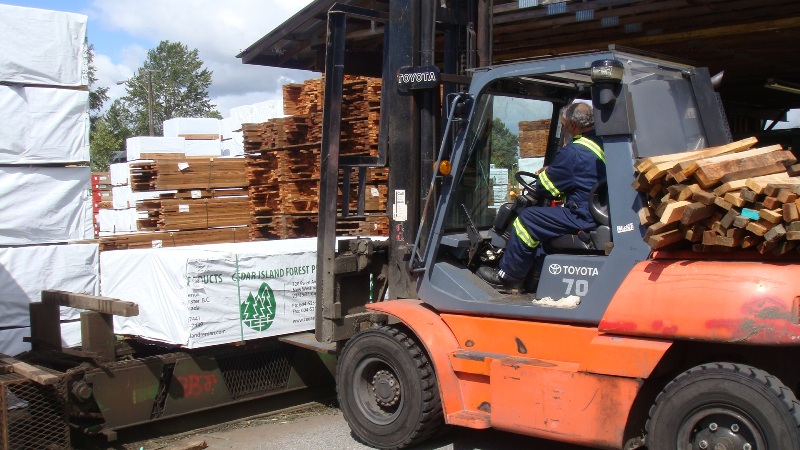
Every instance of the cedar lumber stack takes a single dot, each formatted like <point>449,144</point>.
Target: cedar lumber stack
<point>722,198</point>
<point>194,214</point>
<point>283,162</point>
<point>168,171</point>
<point>210,192</point>
<point>533,138</point>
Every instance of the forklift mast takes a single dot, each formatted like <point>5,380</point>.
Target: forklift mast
<point>409,134</point>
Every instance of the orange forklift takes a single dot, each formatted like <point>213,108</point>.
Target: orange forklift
<point>618,346</point>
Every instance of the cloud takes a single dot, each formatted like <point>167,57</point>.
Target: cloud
<point>218,30</point>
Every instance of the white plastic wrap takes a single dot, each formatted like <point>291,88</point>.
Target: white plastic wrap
<point>120,174</point>
<point>11,342</point>
<point>42,47</point>
<point>258,112</point>
<point>117,220</point>
<point>43,125</point>
<point>40,205</point>
<point>135,146</point>
<point>123,197</point>
<point>191,125</point>
<point>71,333</point>
<point>214,294</point>
<point>228,126</point>
<point>26,271</point>
<point>233,146</point>
<point>202,147</point>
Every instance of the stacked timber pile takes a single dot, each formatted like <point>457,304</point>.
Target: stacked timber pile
<point>722,198</point>
<point>533,138</point>
<point>283,162</point>
<point>209,193</point>
<point>193,197</point>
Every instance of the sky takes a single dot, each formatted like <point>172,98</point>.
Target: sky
<point>122,31</point>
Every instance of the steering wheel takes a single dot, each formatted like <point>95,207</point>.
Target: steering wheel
<point>525,184</point>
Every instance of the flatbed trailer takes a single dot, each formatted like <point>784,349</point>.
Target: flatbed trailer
<point>53,396</point>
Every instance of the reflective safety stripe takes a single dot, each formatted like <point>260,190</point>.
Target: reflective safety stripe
<point>523,234</point>
<point>591,145</point>
<point>551,188</point>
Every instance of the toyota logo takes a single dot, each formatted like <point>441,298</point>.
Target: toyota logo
<point>555,269</point>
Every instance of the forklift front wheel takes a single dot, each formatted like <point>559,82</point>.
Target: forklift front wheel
<point>724,406</point>
<point>387,389</point>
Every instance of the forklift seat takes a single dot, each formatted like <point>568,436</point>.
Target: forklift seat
<point>594,240</point>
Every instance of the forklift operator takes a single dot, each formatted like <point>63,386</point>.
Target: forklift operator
<point>576,168</point>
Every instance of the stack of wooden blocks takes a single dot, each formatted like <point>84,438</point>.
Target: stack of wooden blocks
<point>533,138</point>
<point>206,200</point>
<point>210,192</point>
<point>722,198</point>
<point>283,162</point>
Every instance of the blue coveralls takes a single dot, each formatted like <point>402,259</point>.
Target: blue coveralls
<point>575,169</point>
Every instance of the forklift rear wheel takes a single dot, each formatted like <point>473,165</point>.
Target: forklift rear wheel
<point>387,389</point>
<point>724,406</point>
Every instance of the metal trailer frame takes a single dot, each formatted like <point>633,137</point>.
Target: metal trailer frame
<point>111,383</point>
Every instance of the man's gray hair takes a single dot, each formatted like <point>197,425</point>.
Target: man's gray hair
<point>581,115</point>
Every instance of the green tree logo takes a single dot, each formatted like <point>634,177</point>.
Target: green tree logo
<point>258,311</point>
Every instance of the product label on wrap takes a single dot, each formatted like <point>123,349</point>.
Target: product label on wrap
<point>241,297</point>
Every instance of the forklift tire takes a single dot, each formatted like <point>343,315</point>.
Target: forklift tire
<point>387,389</point>
<point>724,406</point>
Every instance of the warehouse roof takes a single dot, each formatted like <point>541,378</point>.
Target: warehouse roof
<point>753,42</point>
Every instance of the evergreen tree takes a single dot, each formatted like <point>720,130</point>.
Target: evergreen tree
<point>97,95</point>
<point>104,143</point>
<point>505,146</point>
<point>179,86</point>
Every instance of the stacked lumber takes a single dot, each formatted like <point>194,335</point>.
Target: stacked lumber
<point>168,171</point>
<point>173,238</point>
<point>283,161</point>
<point>305,225</point>
<point>166,214</point>
<point>203,193</point>
<point>533,138</point>
<point>722,198</point>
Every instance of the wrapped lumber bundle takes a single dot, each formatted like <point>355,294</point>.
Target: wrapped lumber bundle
<point>722,198</point>
<point>207,295</point>
<point>283,161</point>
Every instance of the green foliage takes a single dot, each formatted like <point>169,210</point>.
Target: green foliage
<point>179,88</point>
<point>505,146</point>
<point>108,134</point>
<point>97,95</point>
<point>103,142</point>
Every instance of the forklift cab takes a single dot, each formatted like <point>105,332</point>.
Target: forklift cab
<point>643,106</point>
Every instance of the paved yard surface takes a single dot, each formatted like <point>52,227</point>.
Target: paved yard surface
<point>324,427</point>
